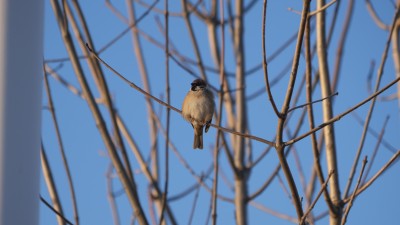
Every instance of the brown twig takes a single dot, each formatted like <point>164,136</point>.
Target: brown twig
<point>51,187</point>
<point>322,8</point>
<point>219,119</point>
<point>196,196</point>
<point>116,11</point>
<point>126,30</point>
<point>61,148</point>
<point>280,146</point>
<point>111,196</point>
<point>265,65</point>
<point>378,143</point>
<point>375,16</point>
<point>376,176</point>
<point>353,196</point>
<point>193,39</point>
<point>167,91</point>
<point>310,111</point>
<point>54,210</point>
<point>273,212</point>
<point>313,102</point>
<point>341,44</point>
<point>375,134</point>
<point>323,188</point>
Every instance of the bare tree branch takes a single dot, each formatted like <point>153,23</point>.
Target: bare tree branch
<point>346,212</point>
<point>372,105</point>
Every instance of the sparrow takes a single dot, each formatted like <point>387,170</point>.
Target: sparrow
<point>198,109</point>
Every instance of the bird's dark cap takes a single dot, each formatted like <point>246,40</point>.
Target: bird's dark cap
<point>198,82</point>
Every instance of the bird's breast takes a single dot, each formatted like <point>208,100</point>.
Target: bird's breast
<point>200,108</point>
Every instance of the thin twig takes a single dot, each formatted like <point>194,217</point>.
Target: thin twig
<point>265,65</point>
<point>61,148</point>
<point>167,90</point>
<point>353,196</point>
<point>54,210</point>
<point>116,11</point>
<point>375,134</point>
<point>313,102</point>
<point>111,196</point>
<point>375,16</point>
<point>273,212</point>
<point>193,39</point>
<point>310,111</point>
<point>196,196</point>
<point>51,186</point>
<point>322,8</point>
<point>341,45</point>
<point>126,30</point>
<point>219,119</point>
<point>378,143</point>
<point>376,176</point>
<point>323,188</point>
<point>275,81</point>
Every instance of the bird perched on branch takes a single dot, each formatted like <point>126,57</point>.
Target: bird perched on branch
<point>198,108</point>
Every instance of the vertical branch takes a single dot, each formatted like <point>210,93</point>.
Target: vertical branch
<point>48,177</point>
<point>219,118</point>
<point>265,65</point>
<point>329,135</point>
<point>241,177</point>
<point>167,92</point>
<point>314,144</point>
<point>215,51</point>
<point>61,148</point>
<point>295,64</point>
<point>280,145</point>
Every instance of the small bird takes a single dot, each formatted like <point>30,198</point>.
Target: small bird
<point>198,108</point>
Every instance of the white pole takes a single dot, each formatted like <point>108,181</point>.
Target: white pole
<point>21,54</point>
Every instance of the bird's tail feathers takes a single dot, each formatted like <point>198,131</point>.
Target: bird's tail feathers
<point>198,137</point>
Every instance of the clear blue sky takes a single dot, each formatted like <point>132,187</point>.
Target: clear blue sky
<point>88,157</point>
